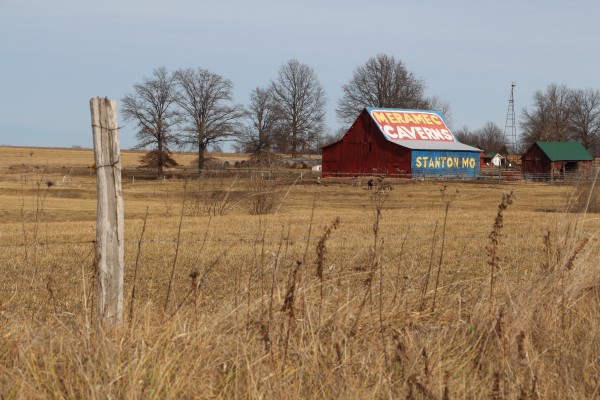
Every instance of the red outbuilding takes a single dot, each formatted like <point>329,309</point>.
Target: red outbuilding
<point>555,159</point>
<point>400,143</point>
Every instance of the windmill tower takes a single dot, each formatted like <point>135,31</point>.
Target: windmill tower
<point>510,127</point>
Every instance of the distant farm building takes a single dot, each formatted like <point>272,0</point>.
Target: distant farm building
<point>492,159</point>
<point>400,143</point>
<point>556,158</point>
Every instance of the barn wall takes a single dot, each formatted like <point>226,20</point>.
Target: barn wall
<point>560,168</point>
<point>343,158</point>
<point>535,161</point>
<point>388,158</point>
<point>364,151</point>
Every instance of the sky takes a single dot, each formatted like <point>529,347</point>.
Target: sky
<point>57,54</point>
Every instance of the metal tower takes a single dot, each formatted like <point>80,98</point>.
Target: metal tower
<point>510,128</point>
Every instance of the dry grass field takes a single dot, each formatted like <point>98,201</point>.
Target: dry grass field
<point>297,288</point>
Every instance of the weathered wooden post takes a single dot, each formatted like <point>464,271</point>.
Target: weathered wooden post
<point>109,217</point>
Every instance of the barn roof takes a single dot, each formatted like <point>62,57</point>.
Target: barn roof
<point>416,129</point>
<point>431,145</point>
<point>565,151</point>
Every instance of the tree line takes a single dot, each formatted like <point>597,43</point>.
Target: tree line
<point>194,109</point>
<point>558,113</point>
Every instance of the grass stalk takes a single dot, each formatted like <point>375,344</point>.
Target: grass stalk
<point>494,236</point>
<point>441,260</point>
<point>439,269</point>
<point>172,277</point>
<point>399,265</point>
<point>137,263</point>
<point>378,201</point>
<point>430,268</point>
<point>321,250</point>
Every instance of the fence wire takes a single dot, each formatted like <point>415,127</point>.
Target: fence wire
<point>504,175</point>
<point>274,239</point>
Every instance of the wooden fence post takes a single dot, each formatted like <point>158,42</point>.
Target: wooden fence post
<point>109,218</point>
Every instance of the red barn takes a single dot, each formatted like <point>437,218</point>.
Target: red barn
<point>401,143</point>
<point>555,158</point>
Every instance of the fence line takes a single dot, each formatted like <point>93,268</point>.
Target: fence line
<point>506,176</point>
<point>488,174</point>
<point>274,239</point>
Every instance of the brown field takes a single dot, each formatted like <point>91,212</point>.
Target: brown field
<point>395,301</point>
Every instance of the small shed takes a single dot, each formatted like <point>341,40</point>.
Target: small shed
<point>400,143</point>
<point>556,158</point>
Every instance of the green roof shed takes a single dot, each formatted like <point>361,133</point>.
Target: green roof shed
<point>565,151</point>
<point>555,158</point>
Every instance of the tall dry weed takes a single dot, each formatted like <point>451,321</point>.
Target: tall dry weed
<point>586,196</point>
<point>494,236</point>
<point>264,194</point>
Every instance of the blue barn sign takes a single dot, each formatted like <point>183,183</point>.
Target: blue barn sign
<point>447,163</point>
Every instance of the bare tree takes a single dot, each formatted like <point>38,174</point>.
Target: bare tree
<point>584,121</point>
<point>209,116</point>
<point>383,81</point>
<point>301,101</point>
<point>152,106</point>
<point>491,138</point>
<point>435,103</point>
<point>262,123</point>
<point>549,119</point>
<point>331,138</point>
<point>466,136</point>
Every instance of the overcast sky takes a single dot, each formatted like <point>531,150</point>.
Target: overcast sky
<point>57,54</point>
